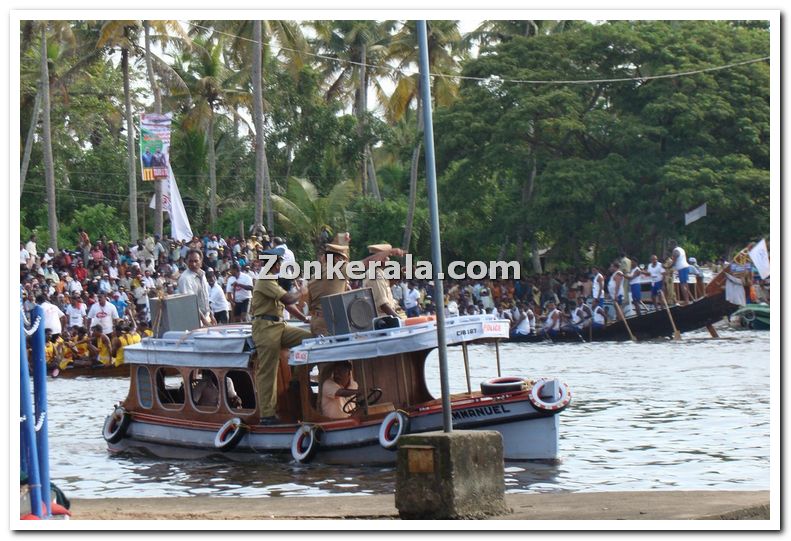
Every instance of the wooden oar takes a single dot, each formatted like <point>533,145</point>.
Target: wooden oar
<point>676,332</point>
<point>623,318</point>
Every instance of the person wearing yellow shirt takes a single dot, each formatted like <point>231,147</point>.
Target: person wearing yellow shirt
<point>118,343</point>
<point>100,346</point>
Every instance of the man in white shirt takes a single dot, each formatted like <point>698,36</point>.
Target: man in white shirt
<point>681,266</point>
<point>337,389</point>
<point>76,312</point>
<point>411,299</point>
<point>54,318</point>
<point>103,313</point>
<point>217,301</point>
<point>24,256</point>
<point>193,282</point>
<point>240,289</point>
<point>656,272</point>
<point>147,280</point>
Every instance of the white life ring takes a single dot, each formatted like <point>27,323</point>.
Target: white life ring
<point>556,405</point>
<point>305,443</point>
<point>229,434</point>
<point>115,425</point>
<point>748,316</point>
<point>506,384</point>
<point>394,425</point>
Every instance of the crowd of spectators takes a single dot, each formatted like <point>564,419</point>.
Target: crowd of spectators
<point>101,282</point>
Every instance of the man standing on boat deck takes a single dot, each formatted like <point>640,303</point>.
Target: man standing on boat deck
<point>656,272</point>
<point>386,305</point>
<point>598,285</point>
<point>193,282</point>
<point>327,285</point>
<point>681,266</point>
<point>271,334</point>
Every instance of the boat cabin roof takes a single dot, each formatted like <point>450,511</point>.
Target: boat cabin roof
<point>231,346</point>
<point>372,344</point>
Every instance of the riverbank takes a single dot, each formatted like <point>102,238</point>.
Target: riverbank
<point>643,505</point>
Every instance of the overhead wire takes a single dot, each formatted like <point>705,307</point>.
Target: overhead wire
<point>500,79</point>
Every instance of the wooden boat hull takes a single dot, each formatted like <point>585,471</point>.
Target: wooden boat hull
<point>528,433</point>
<point>654,324</point>
<point>94,372</point>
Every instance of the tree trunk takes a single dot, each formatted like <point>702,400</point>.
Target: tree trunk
<point>212,171</point>
<point>362,107</point>
<point>527,195</point>
<point>263,184</point>
<point>46,136</point>
<point>158,110</point>
<point>410,215</point>
<point>130,149</point>
<point>372,175</point>
<point>535,257</point>
<point>31,132</point>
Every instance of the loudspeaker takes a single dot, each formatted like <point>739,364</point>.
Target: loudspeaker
<point>349,312</point>
<point>177,313</point>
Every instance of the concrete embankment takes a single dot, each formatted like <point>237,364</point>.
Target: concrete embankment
<point>647,505</point>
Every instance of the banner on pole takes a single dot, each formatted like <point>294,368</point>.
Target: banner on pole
<point>155,161</point>
<point>760,258</point>
<point>155,146</point>
<point>695,214</point>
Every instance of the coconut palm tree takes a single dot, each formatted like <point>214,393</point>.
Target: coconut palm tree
<point>46,139</point>
<point>124,34</point>
<point>305,214</point>
<point>443,52</point>
<point>250,40</point>
<point>208,78</point>
<point>352,60</point>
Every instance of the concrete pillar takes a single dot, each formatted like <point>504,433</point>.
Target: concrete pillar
<point>450,475</point>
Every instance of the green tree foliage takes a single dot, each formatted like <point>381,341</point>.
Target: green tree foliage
<point>607,165</point>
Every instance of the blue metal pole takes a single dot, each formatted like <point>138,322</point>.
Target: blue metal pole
<point>433,208</point>
<point>29,458</point>
<point>40,401</point>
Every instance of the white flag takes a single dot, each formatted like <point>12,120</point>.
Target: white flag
<point>695,214</point>
<point>760,257</point>
<point>172,204</point>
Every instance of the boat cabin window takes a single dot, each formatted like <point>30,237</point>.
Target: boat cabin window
<point>204,390</point>
<point>239,382</point>
<point>145,393</point>
<point>170,387</point>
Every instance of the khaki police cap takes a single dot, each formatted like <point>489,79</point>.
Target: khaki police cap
<point>376,248</point>
<point>337,249</point>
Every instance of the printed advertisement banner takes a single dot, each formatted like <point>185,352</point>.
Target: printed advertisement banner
<point>155,146</point>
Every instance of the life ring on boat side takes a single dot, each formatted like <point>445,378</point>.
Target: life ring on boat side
<point>305,443</point>
<point>394,425</point>
<point>542,405</point>
<point>418,320</point>
<point>115,425</point>
<point>748,316</point>
<point>502,385</point>
<point>229,434</point>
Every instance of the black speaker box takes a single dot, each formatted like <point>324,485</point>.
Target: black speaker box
<point>349,312</point>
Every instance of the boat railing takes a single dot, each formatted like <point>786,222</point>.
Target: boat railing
<point>393,332</point>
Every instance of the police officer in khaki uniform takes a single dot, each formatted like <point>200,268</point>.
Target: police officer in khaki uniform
<point>386,305</point>
<point>271,334</point>
<point>327,285</point>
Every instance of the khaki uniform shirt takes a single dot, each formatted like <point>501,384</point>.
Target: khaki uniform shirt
<point>266,299</point>
<point>382,293</point>
<point>323,287</point>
